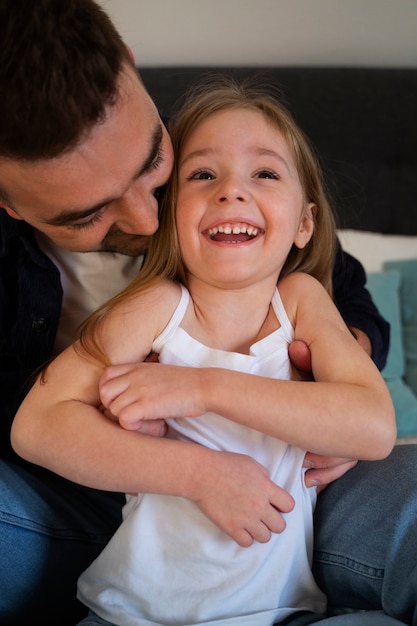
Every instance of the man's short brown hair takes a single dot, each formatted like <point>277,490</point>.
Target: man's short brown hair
<point>60,61</point>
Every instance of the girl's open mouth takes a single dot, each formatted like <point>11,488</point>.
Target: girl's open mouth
<point>233,233</point>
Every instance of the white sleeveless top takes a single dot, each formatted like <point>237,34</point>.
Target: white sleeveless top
<point>168,564</point>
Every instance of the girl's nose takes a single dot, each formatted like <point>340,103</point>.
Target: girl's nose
<point>232,197</point>
<point>232,190</point>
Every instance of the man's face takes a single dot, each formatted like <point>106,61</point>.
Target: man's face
<point>101,195</point>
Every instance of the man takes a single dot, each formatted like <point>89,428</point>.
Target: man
<point>83,153</point>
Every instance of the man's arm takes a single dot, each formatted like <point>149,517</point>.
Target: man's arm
<point>357,308</point>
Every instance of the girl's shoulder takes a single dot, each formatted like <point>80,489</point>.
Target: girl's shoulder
<point>162,292</point>
<point>158,297</point>
<point>299,286</point>
<point>299,279</point>
<point>141,316</point>
<point>303,295</point>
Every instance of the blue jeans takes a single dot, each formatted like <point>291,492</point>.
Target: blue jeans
<point>50,530</point>
<point>366,537</point>
<point>365,558</point>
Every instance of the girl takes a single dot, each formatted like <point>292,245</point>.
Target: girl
<point>245,207</point>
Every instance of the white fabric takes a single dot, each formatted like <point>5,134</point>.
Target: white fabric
<point>373,249</point>
<point>88,280</point>
<point>168,564</point>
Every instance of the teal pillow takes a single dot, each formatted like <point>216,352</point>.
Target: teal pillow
<point>394,292</point>
<point>384,289</point>
<point>408,297</point>
<point>405,404</point>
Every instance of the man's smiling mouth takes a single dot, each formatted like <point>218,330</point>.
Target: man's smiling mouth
<point>233,233</point>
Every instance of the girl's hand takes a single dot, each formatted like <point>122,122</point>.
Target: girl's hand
<point>155,428</point>
<point>138,392</point>
<point>235,492</point>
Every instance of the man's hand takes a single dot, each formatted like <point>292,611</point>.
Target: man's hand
<point>322,470</point>
<point>300,357</point>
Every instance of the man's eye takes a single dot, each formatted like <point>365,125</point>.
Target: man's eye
<point>159,159</point>
<point>89,224</point>
<point>267,174</point>
<point>201,175</point>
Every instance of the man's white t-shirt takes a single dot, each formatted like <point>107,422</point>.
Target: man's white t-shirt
<point>88,280</point>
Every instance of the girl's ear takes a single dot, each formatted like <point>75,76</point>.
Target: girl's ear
<point>305,227</point>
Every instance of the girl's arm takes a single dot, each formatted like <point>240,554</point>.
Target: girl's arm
<point>346,412</point>
<point>60,426</point>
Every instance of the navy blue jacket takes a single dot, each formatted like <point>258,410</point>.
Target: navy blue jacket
<point>30,304</point>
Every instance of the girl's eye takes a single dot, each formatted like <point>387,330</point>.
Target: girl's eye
<point>267,174</point>
<point>201,175</point>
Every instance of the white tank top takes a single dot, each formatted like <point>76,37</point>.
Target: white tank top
<point>168,564</point>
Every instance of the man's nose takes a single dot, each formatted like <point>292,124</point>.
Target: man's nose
<point>138,213</point>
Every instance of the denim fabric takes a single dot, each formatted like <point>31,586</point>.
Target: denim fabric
<point>50,530</point>
<point>366,537</point>
<point>365,557</point>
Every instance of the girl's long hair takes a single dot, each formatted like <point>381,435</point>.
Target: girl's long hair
<point>163,259</point>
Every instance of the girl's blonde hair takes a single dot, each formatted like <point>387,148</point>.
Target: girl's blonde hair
<point>163,259</point>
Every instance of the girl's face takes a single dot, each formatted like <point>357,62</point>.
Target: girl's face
<point>240,204</point>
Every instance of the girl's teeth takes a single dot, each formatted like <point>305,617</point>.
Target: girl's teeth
<point>236,230</point>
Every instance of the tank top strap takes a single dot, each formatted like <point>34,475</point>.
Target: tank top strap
<point>280,312</point>
<point>175,320</point>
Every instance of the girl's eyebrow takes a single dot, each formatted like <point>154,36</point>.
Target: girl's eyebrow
<point>257,151</point>
<point>196,154</point>
<point>274,154</point>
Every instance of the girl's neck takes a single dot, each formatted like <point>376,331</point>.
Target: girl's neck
<point>230,319</point>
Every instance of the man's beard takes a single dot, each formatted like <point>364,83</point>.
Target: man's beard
<point>122,243</point>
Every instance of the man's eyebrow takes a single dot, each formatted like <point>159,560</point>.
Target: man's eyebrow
<point>67,217</point>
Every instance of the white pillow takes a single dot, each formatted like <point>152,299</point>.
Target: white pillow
<point>373,249</point>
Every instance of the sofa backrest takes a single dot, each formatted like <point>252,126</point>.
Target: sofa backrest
<point>363,123</point>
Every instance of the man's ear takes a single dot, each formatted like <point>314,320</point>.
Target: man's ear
<point>132,56</point>
<point>305,227</point>
<point>10,212</point>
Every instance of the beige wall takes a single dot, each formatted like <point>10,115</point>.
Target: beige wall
<point>268,32</point>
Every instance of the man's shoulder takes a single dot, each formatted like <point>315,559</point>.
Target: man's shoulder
<point>13,230</point>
